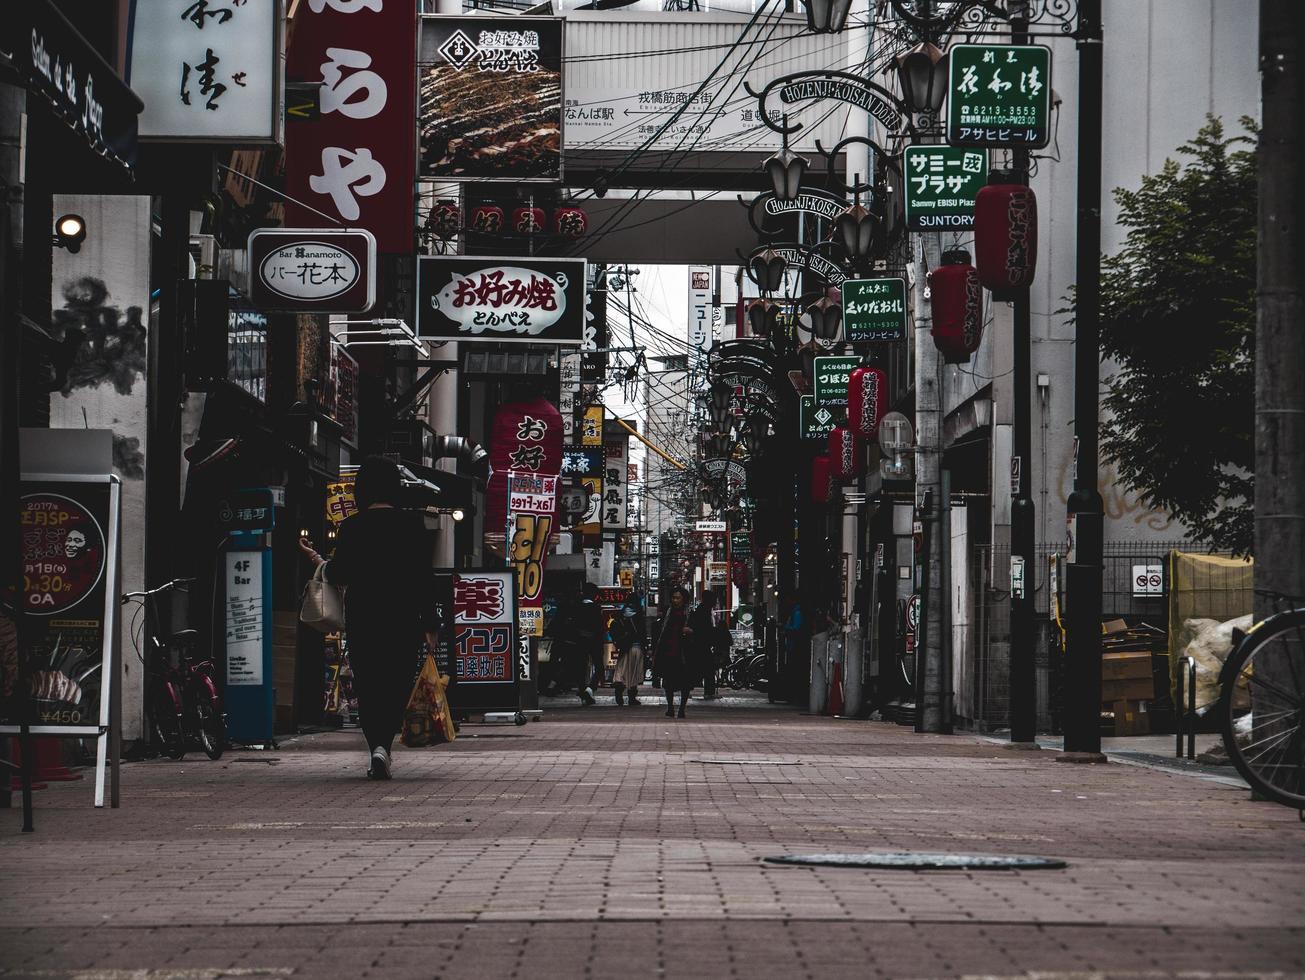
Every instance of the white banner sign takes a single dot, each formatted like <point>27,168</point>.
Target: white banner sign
<point>531,493</point>
<point>615,487</point>
<point>700,307</point>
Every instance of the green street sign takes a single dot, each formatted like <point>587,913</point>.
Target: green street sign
<point>942,183</point>
<point>832,375</point>
<point>999,95</point>
<point>815,421</point>
<point>873,309</point>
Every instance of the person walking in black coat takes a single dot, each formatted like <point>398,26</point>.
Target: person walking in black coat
<point>382,558</point>
<point>674,652</point>
<point>705,642</point>
<point>590,631</point>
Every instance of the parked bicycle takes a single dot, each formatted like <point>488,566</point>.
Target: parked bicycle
<point>747,671</point>
<point>1262,703</point>
<point>182,698</point>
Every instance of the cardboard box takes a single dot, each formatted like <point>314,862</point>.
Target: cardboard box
<point>1112,626</point>
<point>1130,689</point>
<point>1132,718</point>
<point>1125,666</point>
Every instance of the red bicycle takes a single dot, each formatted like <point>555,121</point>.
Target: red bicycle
<point>183,702</point>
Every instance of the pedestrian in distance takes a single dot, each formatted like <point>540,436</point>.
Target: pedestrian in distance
<point>673,654</point>
<point>627,632</point>
<point>382,559</point>
<point>706,642</point>
<point>590,635</point>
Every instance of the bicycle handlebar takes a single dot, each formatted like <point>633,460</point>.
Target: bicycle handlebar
<point>149,593</point>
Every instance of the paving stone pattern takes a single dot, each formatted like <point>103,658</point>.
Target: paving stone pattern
<point>610,842</point>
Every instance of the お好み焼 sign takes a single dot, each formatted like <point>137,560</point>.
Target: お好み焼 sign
<point>517,299</point>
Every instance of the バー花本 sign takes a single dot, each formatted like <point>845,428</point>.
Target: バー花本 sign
<point>999,95</point>
<point>873,310</point>
<point>319,270</point>
<point>508,300</point>
<point>941,184</point>
<point>831,377</point>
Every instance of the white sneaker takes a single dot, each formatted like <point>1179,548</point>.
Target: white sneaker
<point>380,764</point>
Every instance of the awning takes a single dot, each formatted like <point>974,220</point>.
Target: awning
<point>45,54</point>
<point>426,487</point>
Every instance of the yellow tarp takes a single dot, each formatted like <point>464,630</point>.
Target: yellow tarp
<point>1210,587</point>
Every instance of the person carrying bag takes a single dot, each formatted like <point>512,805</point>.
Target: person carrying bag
<point>627,633</point>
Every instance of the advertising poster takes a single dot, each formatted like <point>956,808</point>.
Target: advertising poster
<point>65,542</point>
<point>484,628</point>
<point>490,98</point>
<point>507,300</point>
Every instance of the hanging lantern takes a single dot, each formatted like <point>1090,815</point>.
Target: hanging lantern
<point>822,479</point>
<point>1005,235</point>
<point>846,458</point>
<point>525,435</point>
<point>867,400</point>
<point>957,303</point>
<point>528,221</point>
<point>786,170</point>
<point>487,219</point>
<point>570,222</point>
<point>855,229</point>
<point>826,318</point>
<point>445,219</point>
<point>767,268</point>
<point>762,317</point>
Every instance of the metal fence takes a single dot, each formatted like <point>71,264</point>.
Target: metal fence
<point>980,627</point>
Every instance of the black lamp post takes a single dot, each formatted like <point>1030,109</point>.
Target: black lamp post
<point>767,268</point>
<point>721,395</point>
<point>786,170</point>
<point>763,316</point>
<point>827,16</point>
<point>754,436</point>
<point>922,73</point>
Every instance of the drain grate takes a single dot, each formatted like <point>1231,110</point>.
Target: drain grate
<point>920,861</point>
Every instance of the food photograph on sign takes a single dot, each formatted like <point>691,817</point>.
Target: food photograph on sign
<point>519,299</point>
<point>490,98</point>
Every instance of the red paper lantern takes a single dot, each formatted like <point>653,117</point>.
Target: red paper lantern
<point>445,219</point>
<point>822,479</point>
<point>845,455</point>
<point>1005,235</point>
<point>867,400</point>
<point>524,436</point>
<point>528,221</point>
<point>487,219</point>
<point>570,222</point>
<point>956,299</point>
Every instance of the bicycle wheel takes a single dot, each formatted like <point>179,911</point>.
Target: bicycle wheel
<point>167,722</point>
<point>211,728</point>
<point>1262,708</point>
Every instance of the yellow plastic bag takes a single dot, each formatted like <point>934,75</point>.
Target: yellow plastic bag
<point>428,720</point>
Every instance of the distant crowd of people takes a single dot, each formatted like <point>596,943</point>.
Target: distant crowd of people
<point>681,652</point>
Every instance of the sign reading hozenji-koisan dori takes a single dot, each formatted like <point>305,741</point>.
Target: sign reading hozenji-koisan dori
<point>941,184</point>
<point>999,95</point>
<point>873,310</point>
<point>517,299</point>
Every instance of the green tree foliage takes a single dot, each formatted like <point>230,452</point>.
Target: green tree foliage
<point>1178,319</point>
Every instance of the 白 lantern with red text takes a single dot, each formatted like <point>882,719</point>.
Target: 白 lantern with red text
<point>528,221</point>
<point>1005,235</point>
<point>845,453</point>
<point>956,300</point>
<point>570,222</point>
<point>867,400</point>
<point>822,479</point>
<point>487,219</point>
<point>524,436</point>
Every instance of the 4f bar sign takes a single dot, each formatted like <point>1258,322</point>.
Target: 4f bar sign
<point>999,95</point>
<point>318,270</point>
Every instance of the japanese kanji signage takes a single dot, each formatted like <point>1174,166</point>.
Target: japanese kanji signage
<point>941,183</point>
<point>831,377</point>
<point>491,98</point>
<point>208,69</point>
<point>814,421</point>
<point>247,511</point>
<point>531,493</point>
<point>511,300</point>
<point>873,310</point>
<point>591,426</point>
<point>999,95</point>
<point>582,461</point>
<point>615,490</point>
<point>355,160</point>
<point>484,627</point>
<point>311,269</point>
<point>700,307</point>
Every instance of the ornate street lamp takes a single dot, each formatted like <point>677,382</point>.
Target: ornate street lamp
<point>721,395</point>
<point>855,230</point>
<point>827,16</point>
<point>826,317</point>
<point>786,170</point>
<point>763,316</point>
<point>922,73</point>
<point>754,437</point>
<point>767,268</point>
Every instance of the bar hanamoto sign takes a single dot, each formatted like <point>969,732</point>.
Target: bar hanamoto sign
<point>999,95</point>
<point>941,185</point>
<point>516,299</point>
<point>873,310</point>
<point>318,270</point>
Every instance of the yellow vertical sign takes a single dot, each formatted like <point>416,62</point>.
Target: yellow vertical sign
<point>591,432</point>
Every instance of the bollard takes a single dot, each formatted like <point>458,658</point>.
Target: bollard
<point>1178,713</point>
<point>1191,707</point>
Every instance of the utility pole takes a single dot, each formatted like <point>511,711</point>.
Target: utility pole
<point>1023,571</point>
<point>1084,511</point>
<point>928,494</point>
<point>1280,308</point>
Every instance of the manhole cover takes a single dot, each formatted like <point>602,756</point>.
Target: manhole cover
<point>917,861</point>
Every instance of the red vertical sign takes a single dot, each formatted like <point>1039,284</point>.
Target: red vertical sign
<point>355,160</point>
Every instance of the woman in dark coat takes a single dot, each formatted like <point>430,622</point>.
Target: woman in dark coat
<point>674,654</point>
<point>383,560</point>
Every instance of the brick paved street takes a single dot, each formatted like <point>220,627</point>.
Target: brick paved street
<point>619,843</point>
